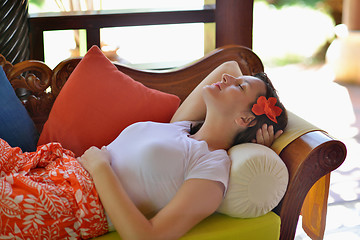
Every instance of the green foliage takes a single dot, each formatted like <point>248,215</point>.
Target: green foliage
<point>281,3</point>
<point>309,3</point>
<point>38,3</point>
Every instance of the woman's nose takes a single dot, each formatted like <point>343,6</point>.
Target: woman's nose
<point>229,79</point>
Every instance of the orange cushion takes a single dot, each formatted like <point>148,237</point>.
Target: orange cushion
<point>98,102</point>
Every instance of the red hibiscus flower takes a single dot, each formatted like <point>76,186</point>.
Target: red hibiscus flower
<point>267,106</point>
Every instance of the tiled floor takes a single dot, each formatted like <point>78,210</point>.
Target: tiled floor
<point>335,107</point>
<point>342,223</point>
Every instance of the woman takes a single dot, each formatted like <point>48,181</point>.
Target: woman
<point>225,103</point>
<point>157,181</point>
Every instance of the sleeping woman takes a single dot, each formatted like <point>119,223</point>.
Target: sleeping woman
<point>154,181</point>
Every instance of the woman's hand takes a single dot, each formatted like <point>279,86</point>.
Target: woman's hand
<point>94,158</point>
<point>265,135</point>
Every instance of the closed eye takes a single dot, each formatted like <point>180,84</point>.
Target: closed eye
<point>240,85</point>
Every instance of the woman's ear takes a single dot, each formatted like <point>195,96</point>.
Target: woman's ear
<point>246,120</point>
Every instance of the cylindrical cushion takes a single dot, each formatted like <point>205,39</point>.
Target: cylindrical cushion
<point>258,181</point>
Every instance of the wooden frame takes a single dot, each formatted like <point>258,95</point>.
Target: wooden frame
<point>308,158</point>
<point>234,20</point>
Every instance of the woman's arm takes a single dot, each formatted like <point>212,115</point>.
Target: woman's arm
<point>195,200</point>
<point>193,108</point>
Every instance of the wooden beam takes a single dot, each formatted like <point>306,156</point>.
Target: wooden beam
<point>93,21</point>
<point>106,18</point>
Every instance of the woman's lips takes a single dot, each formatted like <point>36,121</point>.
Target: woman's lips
<point>217,85</point>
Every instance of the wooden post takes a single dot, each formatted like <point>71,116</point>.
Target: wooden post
<point>93,37</point>
<point>234,22</point>
<point>209,31</point>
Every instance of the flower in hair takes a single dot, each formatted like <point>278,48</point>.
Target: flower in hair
<point>267,106</point>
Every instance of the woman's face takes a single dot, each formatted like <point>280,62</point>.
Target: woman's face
<point>234,94</point>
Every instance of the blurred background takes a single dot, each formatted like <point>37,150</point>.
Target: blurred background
<point>310,49</point>
<point>304,36</point>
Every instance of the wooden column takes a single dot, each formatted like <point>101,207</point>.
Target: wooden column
<point>234,22</point>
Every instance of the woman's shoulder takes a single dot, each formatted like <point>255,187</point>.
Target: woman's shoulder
<point>151,127</point>
<point>187,124</point>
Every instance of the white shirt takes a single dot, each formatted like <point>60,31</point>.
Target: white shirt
<point>152,161</point>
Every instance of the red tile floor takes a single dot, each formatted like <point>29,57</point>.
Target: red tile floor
<point>312,93</point>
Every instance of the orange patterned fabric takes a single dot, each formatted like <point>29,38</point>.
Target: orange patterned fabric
<point>47,195</point>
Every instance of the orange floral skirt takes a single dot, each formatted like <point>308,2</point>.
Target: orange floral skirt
<point>47,195</point>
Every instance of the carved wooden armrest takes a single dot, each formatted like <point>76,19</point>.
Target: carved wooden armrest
<point>308,158</point>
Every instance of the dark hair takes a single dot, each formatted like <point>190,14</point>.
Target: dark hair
<point>250,133</point>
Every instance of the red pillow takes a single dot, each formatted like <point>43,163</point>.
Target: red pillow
<point>98,102</point>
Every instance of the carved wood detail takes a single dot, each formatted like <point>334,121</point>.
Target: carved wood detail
<point>61,74</point>
<point>6,65</point>
<point>34,76</point>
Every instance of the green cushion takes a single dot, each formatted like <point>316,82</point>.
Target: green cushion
<point>219,226</point>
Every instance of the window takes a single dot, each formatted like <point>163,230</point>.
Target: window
<point>145,47</point>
